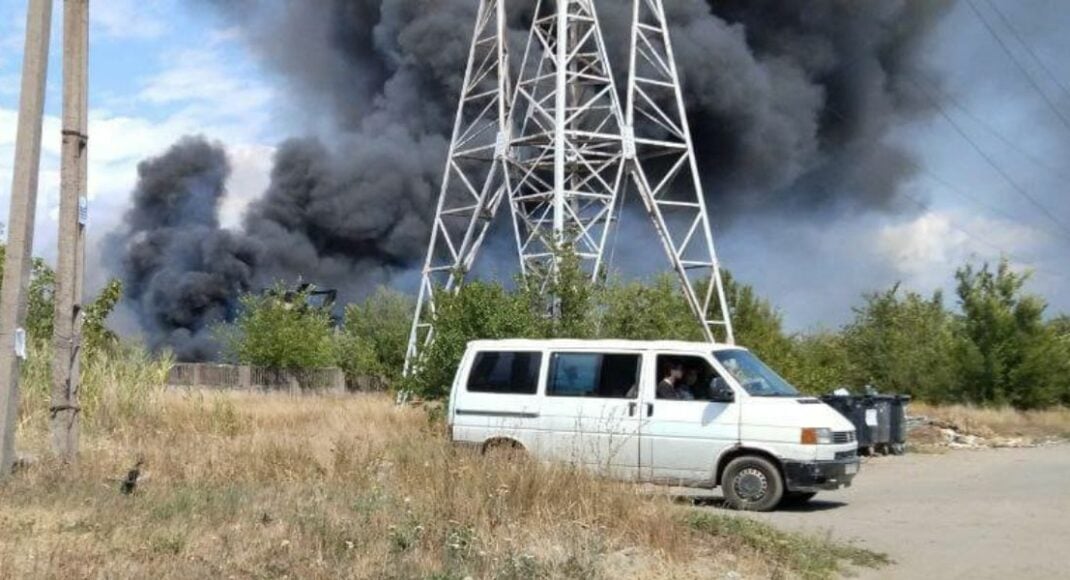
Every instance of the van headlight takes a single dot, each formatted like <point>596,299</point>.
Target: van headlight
<point>816,436</point>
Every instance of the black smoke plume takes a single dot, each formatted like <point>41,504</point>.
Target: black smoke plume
<point>182,272</point>
<point>790,104</point>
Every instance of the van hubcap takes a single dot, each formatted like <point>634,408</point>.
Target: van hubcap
<point>751,484</point>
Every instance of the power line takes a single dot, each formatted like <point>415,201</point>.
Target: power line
<point>992,130</point>
<point>1065,231</point>
<point>1021,67</point>
<point>1028,48</point>
<point>1006,176</point>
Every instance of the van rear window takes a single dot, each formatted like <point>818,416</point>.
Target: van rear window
<point>507,373</point>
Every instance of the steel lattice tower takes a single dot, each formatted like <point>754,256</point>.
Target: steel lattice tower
<point>561,148</point>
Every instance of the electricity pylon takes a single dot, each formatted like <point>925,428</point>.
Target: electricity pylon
<point>561,148</point>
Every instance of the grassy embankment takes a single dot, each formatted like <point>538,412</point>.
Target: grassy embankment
<point>272,486</point>
<point>999,423</point>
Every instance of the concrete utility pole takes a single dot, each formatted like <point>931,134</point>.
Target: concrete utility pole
<point>18,261</point>
<point>70,265</point>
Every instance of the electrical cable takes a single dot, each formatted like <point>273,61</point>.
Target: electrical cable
<point>1021,67</point>
<point>1021,40</point>
<point>1006,176</point>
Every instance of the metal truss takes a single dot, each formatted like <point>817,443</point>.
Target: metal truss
<point>666,170</point>
<point>473,185</point>
<point>562,164</point>
<point>566,162</point>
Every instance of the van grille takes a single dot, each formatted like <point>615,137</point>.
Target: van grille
<point>843,436</point>
<point>846,454</point>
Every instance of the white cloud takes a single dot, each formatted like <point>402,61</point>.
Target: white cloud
<point>129,19</point>
<point>923,250</point>
<point>250,176</point>
<point>199,96</point>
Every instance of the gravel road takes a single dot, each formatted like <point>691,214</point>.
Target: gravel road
<point>1001,513</point>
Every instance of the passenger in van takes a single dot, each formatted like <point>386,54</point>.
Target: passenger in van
<point>673,375</point>
<point>685,390</point>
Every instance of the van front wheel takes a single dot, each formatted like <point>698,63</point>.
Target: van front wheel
<point>752,483</point>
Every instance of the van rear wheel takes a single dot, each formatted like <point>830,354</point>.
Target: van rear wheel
<point>505,450</point>
<point>752,483</point>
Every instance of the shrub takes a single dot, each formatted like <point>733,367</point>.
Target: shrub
<point>280,330</point>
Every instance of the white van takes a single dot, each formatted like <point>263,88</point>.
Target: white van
<point>676,413</point>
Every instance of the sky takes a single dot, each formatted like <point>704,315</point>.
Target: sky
<point>991,178</point>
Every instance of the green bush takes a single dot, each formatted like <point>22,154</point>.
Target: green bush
<point>375,336</point>
<point>480,310</point>
<point>280,331</point>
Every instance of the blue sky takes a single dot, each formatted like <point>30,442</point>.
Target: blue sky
<point>160,70</point>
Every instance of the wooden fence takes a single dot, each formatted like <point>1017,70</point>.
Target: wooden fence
<point>218,376</point>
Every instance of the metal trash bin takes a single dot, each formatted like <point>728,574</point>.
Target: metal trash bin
<point>898,422</point>
<point>882,431</point>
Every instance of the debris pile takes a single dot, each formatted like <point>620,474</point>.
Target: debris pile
<point>925,431</point>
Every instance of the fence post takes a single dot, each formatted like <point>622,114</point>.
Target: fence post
<point>245,377</point>
<point>196,375</point>
<point>295,385</point>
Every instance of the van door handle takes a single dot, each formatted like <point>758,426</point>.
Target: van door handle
<point>650,409</point>
<point>631,409</point>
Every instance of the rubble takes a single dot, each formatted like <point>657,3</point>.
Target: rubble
<point>923,431</point>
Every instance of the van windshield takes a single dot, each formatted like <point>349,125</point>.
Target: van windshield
<point>753,375</point>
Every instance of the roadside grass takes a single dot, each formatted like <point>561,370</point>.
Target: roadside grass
<point>806,555</point>
<point>265,486</point>
<point>989,422</point>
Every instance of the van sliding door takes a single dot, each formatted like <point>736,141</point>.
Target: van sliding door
<point>591,413</point>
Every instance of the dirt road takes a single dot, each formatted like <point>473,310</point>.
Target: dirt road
<point>1001,513</point>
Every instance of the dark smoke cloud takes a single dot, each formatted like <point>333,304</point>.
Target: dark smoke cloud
<point>182,272</point>
<point>789,101</point>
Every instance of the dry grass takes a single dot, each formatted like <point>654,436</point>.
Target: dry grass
<point>250,486</point>
<point>999,422</point>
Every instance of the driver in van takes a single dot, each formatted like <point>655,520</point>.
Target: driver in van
<point>673,375</point>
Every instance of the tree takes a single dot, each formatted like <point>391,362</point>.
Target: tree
<point>905,343</point>
<point>1061,326</point>
<point>1013,356</point>
<point>280,331</point>
<point>375,335</point>
<point>96,335</point>
<point>818,363</point>
<point>757,324</point>
<point>653,310</point>
<point>479,310</point>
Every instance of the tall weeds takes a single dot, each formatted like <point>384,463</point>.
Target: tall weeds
<point>253,485</point>
<point>117,385</point>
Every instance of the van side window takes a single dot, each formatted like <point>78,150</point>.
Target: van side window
<point>506,373</point>
<point>604,376</point>
<point>687,378</point>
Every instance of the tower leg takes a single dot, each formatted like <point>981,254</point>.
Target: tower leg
<point>472,184</point>
<point>666,171</point>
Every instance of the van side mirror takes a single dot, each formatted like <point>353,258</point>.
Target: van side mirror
<point>721,392</point>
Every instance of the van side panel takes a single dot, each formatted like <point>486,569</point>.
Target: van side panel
<point>479,417</point>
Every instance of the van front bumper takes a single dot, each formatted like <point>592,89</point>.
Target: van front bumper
<point>820,475</point>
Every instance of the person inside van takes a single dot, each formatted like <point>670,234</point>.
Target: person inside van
<point>674,373</point>
<point>685,389</point>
